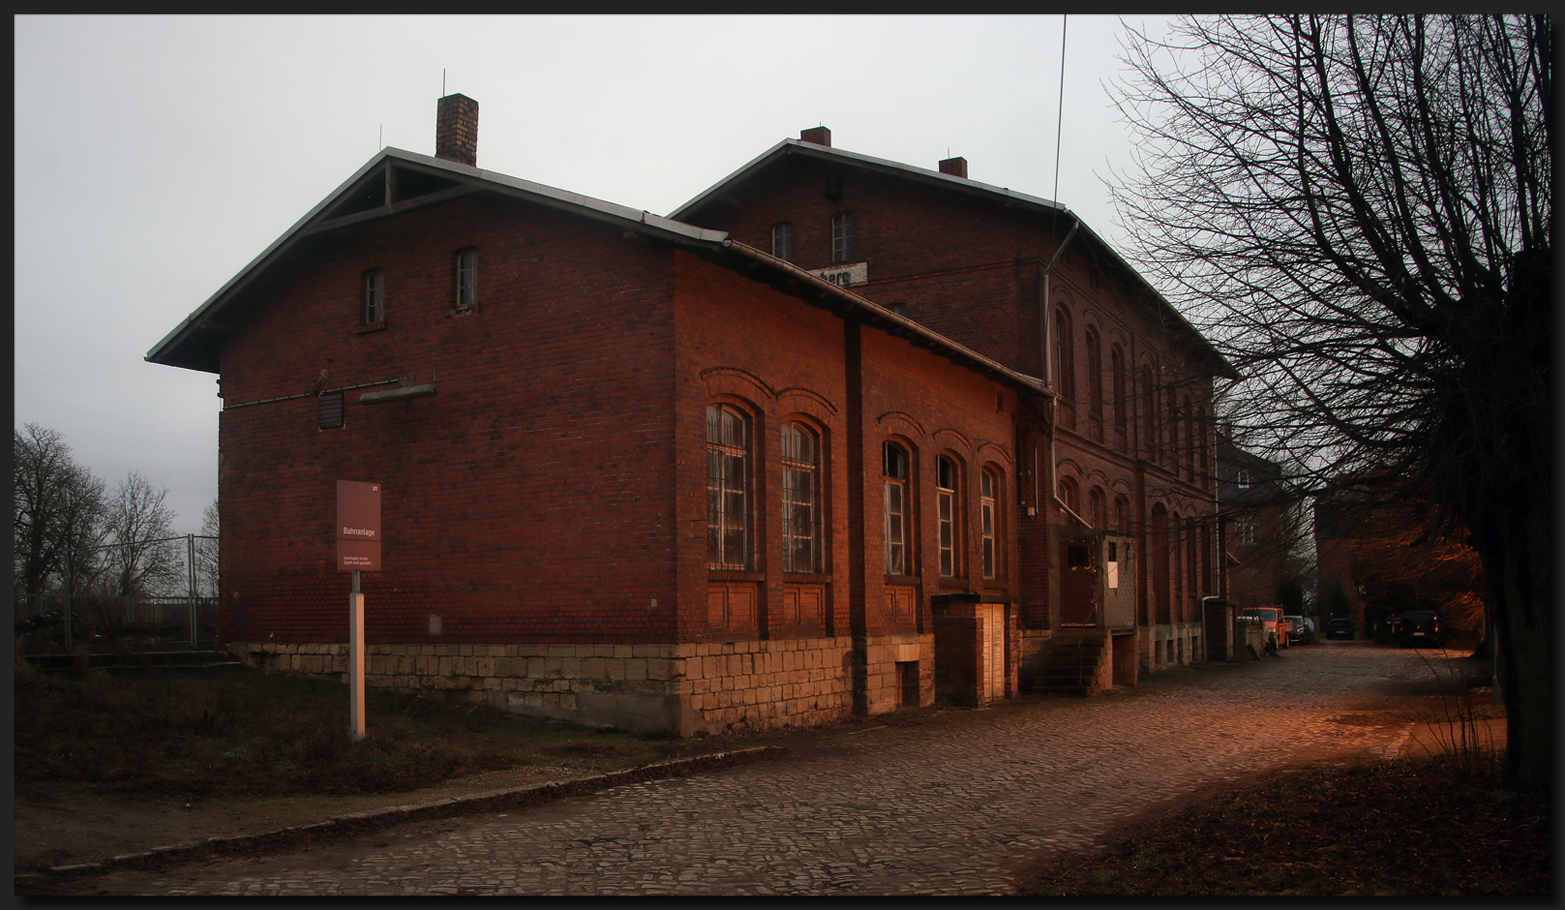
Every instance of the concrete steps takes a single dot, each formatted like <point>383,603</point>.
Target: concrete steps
<point>1073,663</point>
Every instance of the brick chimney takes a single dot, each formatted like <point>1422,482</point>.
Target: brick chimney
<point>818,135</point>
<point>956,167</point>
<point>456,130</point>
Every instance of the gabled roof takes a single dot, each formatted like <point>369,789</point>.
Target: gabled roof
<point>395,181</point>
<point>730,191</point>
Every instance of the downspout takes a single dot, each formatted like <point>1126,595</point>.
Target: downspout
<point>1048,378</point>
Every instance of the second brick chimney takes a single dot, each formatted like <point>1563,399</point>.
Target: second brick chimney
<point>818,135</point>
<point>456,130</point>
<point>956,167</point>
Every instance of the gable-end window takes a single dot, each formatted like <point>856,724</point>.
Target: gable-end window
<point>374,296</point>
<point>987,485</point>
<point>466,281</point>
<point>896,508</point>
<point>947,508</point>
<point>782,241</point>
<point>842,237</point>
<point>800,499</point>
<point>727,488</point>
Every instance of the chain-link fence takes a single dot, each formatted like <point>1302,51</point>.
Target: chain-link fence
<point>54,622</point>
<point>50,622</point>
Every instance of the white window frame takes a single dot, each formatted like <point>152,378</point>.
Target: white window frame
<point>728,520</point>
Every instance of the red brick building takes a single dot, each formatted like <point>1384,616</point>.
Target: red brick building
<point>641,473</point>
<point>1116,474</point>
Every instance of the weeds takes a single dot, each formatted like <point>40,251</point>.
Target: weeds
<point>243,731</point>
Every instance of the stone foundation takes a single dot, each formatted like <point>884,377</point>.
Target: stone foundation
<point>686,690</point>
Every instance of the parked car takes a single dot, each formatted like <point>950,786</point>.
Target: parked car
<point>1303,631</point>
<point>1339,627</point>
<point>1420,628</point>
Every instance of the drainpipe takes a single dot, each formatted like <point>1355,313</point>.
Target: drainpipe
<point>1048,378</point>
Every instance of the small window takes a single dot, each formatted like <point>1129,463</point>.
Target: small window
<point>1246,532</point>
<point>842,237</point>
<point>899,308</point>
<point>896,508</point>
<point>782,241</point>
<point>1243,479</point>
<point>466,281</point>
<point>374,296</point>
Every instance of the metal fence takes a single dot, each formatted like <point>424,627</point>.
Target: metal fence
<point>49,622</point>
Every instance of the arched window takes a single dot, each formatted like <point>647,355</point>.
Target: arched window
<point>1149,419</point>
<point>1117,366</point>
<point>1190,438</point>
<point>1097,508</point>
<point>1094,374</point>
<point>1064,369</point>
<point>897,507</point>
<point>948,512</point>
<point>1172,424</point>
<point>801,499</point>
<point>1069,495</point>
<point>1122,515</point>
<point>728,518</point>
<point>988,496</point>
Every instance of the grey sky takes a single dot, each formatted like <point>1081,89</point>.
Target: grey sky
<point>158,155</point>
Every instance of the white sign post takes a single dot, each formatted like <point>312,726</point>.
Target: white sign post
<point>358,548</point>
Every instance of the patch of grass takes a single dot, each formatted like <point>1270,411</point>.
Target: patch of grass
<point>1425,827</point>
<point>239,731</point>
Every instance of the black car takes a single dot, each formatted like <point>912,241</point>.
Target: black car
<point>1339,627</point>
<point>1420,628</point>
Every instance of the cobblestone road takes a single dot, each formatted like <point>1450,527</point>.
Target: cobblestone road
<point>951,807</point>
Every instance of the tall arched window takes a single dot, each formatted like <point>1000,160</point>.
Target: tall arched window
<point>801,499</point>
<point>727,488</point>
<point>1064,369</point>
<point>1122,515</point>
<point>948,513</point>
<point>1097,508</point>
<point>897,507</point>
<point>1094,374</point>
<point>1190,439</point>
<point>1149,421</point>
<point>1117,367</point>
<point>988,496</point>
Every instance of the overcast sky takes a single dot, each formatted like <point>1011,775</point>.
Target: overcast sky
<point>156,156</point>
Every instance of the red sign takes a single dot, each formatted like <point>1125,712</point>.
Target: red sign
<point>358,526</point>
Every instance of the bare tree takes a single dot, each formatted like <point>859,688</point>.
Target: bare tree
<point>142,558</point>
<point>1358,212</point>
<point>58,510</point>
